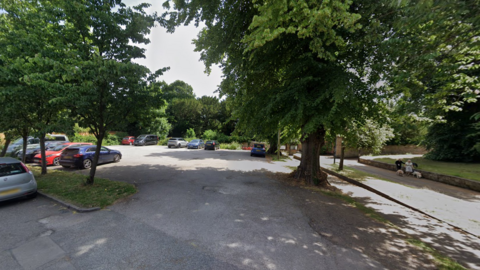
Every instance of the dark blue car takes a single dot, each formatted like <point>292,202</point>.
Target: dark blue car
<point>258,149</point>
<point>82,156</point>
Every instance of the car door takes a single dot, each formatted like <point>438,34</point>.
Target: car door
<point>104,155</point>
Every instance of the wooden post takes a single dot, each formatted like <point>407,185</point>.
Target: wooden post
<point>278,145</point>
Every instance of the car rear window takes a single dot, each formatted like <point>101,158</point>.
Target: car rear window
<point>70,151</point>
<point>258,145</point>
<point>11,169</point>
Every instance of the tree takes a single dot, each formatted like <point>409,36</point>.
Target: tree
<point>31,55</point>
<point>106,86</point>
<point>436,66</point>
<point>300,65</point>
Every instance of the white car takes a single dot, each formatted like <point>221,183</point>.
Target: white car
<point>16,180</point>
<point>177,142</point>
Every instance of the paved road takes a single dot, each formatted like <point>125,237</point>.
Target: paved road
<point>200,209</point>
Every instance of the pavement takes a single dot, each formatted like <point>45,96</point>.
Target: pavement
<point>449,204</point>
<point>199,209</point>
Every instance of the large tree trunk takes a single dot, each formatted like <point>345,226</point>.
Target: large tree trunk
<point>309,168</point>
<point>42,153</point>
<point>4,150</point>
<point>93,170</point>
<point>273,145</point>
<point>342,157</point>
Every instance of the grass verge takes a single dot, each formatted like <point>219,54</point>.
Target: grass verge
<point>271,157</point>
<point>464,170</point>
<point>443,262</point>
<point>355,174</point>
<point>70,187</point>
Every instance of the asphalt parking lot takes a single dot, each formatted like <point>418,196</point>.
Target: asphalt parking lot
<point>199,209</point>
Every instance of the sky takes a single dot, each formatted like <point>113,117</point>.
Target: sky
<point>176,51</point>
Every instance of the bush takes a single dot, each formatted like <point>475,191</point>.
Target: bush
<point>209,135</point>
<point>190,133</point>
<point>163,141</point>
<point>90,138</point>
<point>231,146</point>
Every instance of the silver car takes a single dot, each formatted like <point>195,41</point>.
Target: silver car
<point>16,180</point>
<point>177,142</point>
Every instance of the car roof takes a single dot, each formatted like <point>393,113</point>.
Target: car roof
<point>8,160</point>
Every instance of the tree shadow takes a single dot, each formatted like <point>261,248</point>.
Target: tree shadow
<point>252,219</point>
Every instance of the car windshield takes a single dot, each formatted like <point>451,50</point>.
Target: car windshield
<point>195,141</point>
<point>140,137</point>
<point>173,139</point>
<point>126,138</point>
<point>18,141</point>
<point>258,145</point>
<point>58,147</point>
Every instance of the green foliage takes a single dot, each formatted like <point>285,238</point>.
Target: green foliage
<point>190,133</point>
<point>367,135</point>
<point>209,135</point>
<point>163,141</point>
<point>231,146</point>
<point>89,138</point>
<point>78,129</point>
<point>456,139</point>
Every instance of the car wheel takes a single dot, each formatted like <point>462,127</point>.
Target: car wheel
<point>251,154</point>
<point>116,158</point>
<point>179,145</point>
<point>56,161</point>
<point>87,163</point>
<point>169,146</point>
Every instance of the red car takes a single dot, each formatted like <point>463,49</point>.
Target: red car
<point>128,140</point>
<point>53,154</point>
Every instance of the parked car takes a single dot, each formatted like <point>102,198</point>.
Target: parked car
<point>17,180</point>
<point>82,156</point>
<point>16,145</point>
<point>146,139</point>
<point>176,142</point>
<point>195,144</point>
<point>212,145</point>
<point>52,155</point>
<point>34,149</point>
<point>129,140</point>
<point>258,149</point>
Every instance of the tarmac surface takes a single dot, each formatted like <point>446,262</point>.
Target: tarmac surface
<point>199,209</point>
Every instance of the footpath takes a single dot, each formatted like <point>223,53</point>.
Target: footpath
<point>451,206</point>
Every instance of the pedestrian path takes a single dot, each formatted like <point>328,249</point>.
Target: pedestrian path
<point>457,206</point>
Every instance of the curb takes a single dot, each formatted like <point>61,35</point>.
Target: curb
<point>68,205</point>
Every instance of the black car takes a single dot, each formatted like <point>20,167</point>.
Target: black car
<point>212,145</point>
<point>34,149</point>
<point>146,139</point>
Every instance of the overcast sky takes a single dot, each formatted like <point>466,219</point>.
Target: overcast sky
<point>176,51</point>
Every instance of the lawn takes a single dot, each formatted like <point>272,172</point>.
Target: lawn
<point>463,170</point>
<point>70,187</point>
